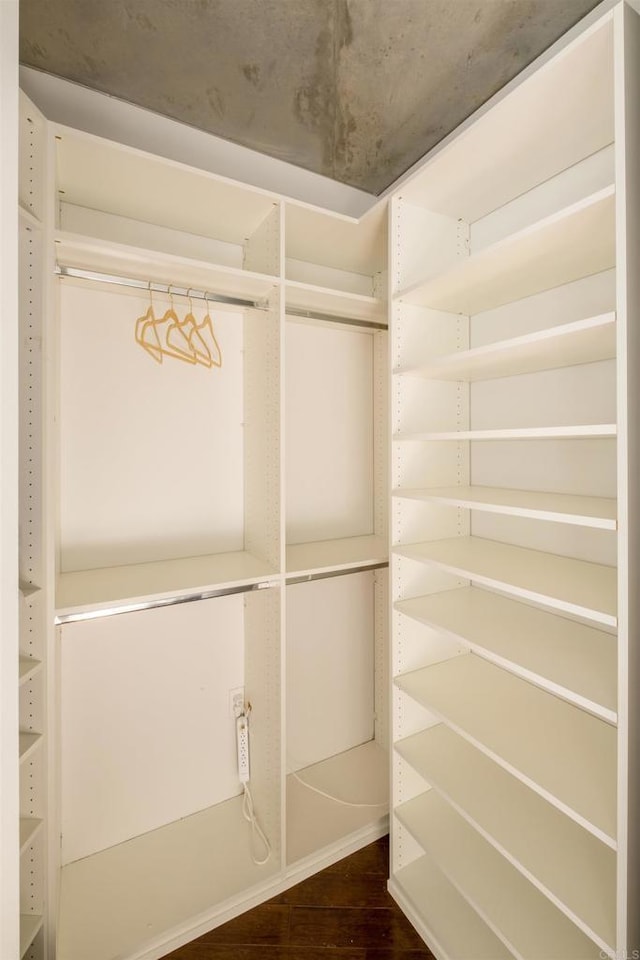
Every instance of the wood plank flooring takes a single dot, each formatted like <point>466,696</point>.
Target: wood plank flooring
<point>341,913</point>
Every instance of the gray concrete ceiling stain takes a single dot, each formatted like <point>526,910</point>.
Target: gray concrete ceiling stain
<point>357,90</point>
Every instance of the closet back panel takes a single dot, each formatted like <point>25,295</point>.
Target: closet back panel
<point>151,454</point>
<point>146,733</point>
<point>330,667</point>
<point>329,430</point>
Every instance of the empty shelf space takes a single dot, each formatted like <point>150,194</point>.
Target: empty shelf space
<point>28,668</point>
<point>156,882</point>
<point>449,923</point>
<point>30,925</point>
<point>29,827</point>
<point>95,591</point>
<point>574,586</point>
<point>86,253</point>
<point>307,296</point>
<point>559,507</point>
<point>515,723</point>
<point>567,432</point>
<point>574,242</point>
<point>327,555</point>
<point>336,797</point>
<point>577,662</point>
<point>525,920</point>
<point>28,744</point>
<point>584,341</point>
<point>569,865</point>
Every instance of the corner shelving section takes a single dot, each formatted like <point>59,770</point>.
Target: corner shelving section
<point>506,332</point>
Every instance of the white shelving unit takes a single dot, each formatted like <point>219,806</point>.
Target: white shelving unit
<point>180,508</point>
<point>514,364</point>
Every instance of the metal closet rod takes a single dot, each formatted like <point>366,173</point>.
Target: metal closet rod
<point>153,287</point>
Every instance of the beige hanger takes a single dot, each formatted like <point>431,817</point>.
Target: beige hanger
<point>146,333</point>
<point>205,331</point>
<point>196,342</point>
<point>176,343</point>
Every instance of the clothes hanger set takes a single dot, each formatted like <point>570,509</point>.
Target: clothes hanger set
<point>182,339</point>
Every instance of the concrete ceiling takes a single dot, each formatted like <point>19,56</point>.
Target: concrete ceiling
<point>357,90</point>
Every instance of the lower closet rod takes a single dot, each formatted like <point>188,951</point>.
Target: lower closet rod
<point>152,287</point>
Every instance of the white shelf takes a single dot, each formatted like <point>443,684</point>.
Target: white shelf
<point>359,777</point>
<point>571,867</point>
<point>558,507</point>
<point>306,296</point>
<point>28,744</point>
<point>91,591</point>
<point>324,555</point>
<point>568,432</point>
<point>514,723</point>
<point>121,260</point>
<point>573,586</point>
<point>574,242</point>
<point>155,883</point>
<point>584,341</point>
<point>527,923</point>
<point>28,668</point>
<point>572,660</point>
<point>450,924</point>
<point>29,827</point>
<point>30,925</point>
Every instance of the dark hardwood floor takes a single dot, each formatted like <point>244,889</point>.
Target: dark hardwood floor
<point>341,913</point>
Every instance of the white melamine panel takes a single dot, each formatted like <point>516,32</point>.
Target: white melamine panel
<point>30,924</point>
<point>568,432</point>
<point>514,722</point>
<point>330,240</point>
<point>354,794</point>
<point>334,281</point>
<point>567,245</point>
<point>527,923</point>
<point>330,667</point>
<point>151,454</point>
<point>329,433</point>
<point>306,296</point>
<point>335,554</point>
<point>498,157</point>
<point>583,341</point>
<point>210,861</point>
<point>577,395</point>
<point>146,734</point>
<point>571,659</point>
<point>575,586</point>
<point>106,176</point>
<point>560,507</point>
<point>570,866</point>
<point>450,925</point>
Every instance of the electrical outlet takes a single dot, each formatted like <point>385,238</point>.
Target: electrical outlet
<point>236,702</point>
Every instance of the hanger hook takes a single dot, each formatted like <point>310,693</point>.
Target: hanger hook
<point>190,302</point>
<point>150,295</point>
<point>171,297</point>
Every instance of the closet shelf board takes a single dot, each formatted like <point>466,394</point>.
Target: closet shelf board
<point>124,882</point>
<point>570,659</point>
<point>569,865</point>
<point>28,668</point>
<point>526,922</point>
<point>450,924</point>
<point>28,744</point>
<point>30,924</point>
<point>327,555</point>
<point>574,242</point>
<point>88,591</point>
<point>306,296</point>
<point>584,341</point>
<point>567,432</point>
<point>574,586</point>
<point>358,776</point>
<point>29,827</point>
<point>136,263</point>
<point>560,507</point>
<point>515,723</point>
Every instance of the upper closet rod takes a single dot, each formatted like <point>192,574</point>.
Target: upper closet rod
<point>154,287</point>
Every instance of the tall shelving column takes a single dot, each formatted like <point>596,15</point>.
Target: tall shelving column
<point>514,719</point>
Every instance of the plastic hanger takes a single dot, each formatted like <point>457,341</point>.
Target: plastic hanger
<point>205,331</point>
<point>196,342</point>
<point>146,333</point>
<point>176,343</point>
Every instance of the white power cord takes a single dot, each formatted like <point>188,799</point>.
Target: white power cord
<point>248,812</point>
<point>330,796</point>
<point>256,830</point>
